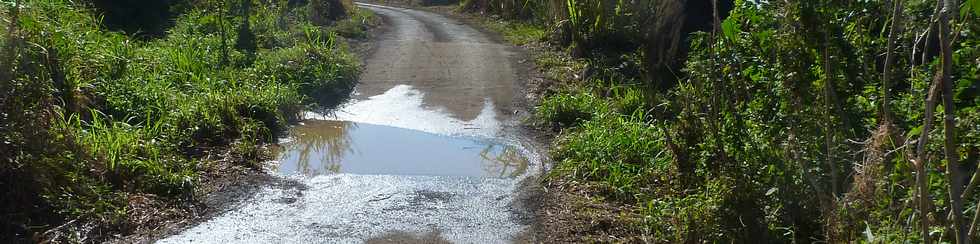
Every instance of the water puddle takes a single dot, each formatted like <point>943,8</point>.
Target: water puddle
<point>319,147</point>
<point>406,106</point>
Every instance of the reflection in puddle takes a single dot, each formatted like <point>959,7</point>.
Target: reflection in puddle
<point>323,147</point>
<point>403,106</point>
<point>505,160</point>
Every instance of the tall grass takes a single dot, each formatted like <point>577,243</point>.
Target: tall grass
<point>624,153</point>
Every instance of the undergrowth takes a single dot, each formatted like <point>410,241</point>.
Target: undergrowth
<point>773,130</point>
<point>91,116</point>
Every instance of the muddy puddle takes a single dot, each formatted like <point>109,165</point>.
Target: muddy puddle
<point>429,155</point>
<point>320,147</point>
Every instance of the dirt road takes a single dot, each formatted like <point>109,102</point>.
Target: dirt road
<point>426,151</point>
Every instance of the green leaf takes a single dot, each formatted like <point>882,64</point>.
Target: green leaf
<point>970,5</point>
<point>966,9</point>
<point>915,131</point>
<point>976,7</point>
<point>730,29</point>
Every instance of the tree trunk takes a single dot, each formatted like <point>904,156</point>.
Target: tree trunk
<point>921,158</point>
<point>921,175</point>
<point>716,27</point>
<point>921,178</point>
<point>829,136</point>
<point>896,31</point>
<point>662,34</point>
<point>933,22</point>
<point>221,28</point>
<point>970,187</point>
<point>949,123</point>
<point>973,224</point>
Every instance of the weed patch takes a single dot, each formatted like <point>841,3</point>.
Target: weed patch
<point>110,116</point>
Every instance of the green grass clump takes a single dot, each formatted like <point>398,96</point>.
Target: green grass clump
<point>518,33</point>
<point>130,155</point>
<point>569,109</point>
<point>323,74</point>
<point>357,25</point>
<point>694,215</point>
<point>630,101</point>
<point>621,152</point>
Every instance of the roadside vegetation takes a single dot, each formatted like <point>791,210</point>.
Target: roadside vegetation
<point>739,121</point>
<point>105,104</point>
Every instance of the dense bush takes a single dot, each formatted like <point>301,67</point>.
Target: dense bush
<point>776,129</point>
